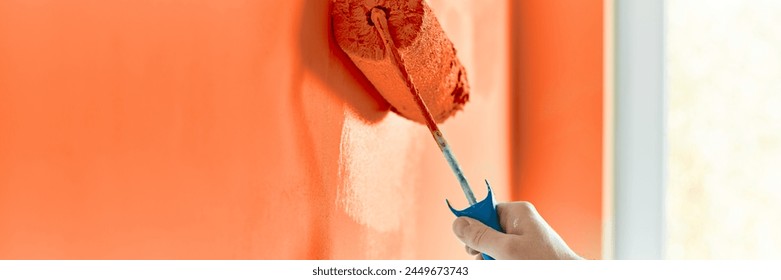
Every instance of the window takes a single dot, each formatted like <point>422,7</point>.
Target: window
<point>723,66</point>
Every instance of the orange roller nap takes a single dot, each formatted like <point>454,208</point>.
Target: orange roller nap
<point>427,52</point>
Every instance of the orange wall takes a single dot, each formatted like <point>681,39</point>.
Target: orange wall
<point>557,115</point>
<point>229,129</point>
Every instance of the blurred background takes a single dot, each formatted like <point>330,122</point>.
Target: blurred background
<point>723,129</point>
<point>239,130</point>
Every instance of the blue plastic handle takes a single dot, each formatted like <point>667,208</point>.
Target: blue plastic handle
<point>483,211</point>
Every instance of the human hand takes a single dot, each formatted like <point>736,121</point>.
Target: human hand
<point>527,235</point>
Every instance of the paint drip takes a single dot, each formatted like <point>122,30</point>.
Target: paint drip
<point>430,57</point>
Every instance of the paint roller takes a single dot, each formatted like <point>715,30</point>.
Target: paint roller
<point>400,47</point>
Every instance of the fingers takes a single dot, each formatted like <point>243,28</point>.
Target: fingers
<point>480,237</point>
<point>527,235</point>
<point>516,217</point>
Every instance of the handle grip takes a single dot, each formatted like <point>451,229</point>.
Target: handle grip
<point>483,211</point>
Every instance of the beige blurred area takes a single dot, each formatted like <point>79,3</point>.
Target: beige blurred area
<point>723,129</point>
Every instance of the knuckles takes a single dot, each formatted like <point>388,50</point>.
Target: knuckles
<point>478,237</point>
<point>516,209</point>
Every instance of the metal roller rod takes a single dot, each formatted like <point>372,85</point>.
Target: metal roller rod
<point>380,21</point>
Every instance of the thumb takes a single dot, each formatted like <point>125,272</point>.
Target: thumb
<point>478,236</point>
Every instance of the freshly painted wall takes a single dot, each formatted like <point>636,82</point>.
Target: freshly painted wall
<point>557,118</point>
<point>229,129</point>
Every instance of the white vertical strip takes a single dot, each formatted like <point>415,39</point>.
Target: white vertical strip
<point>640,127</point>
<point>608,126</point>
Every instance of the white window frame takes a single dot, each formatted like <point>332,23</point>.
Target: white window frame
<point>637,185</point>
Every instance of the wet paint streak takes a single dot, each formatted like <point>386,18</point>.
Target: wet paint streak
<point>376,184</point>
